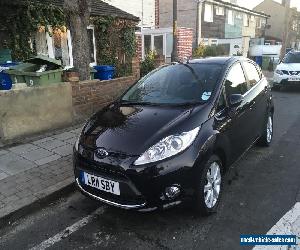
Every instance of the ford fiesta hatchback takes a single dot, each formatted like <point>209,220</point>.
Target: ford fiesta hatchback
<point>173,134</point>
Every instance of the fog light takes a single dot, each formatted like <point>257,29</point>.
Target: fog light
<point>172,191</point>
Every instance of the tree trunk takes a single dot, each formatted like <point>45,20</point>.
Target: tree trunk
<point>78,16</point>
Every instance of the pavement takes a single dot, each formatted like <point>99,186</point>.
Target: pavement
<point>35,170</point>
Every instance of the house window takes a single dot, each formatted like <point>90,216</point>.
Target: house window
<point>159,45</point>
<point>214,42</point>
<point>92,44</point>
<point>39,42</point>
<point>219,11</point>
<point>208,13</point>
<point>147,44</point>
<point>230,17</point>
<point>246,20</point>
<point>239,16</point>
<point>252,18</point>
<point>258,22</point>
<point>60,46</point>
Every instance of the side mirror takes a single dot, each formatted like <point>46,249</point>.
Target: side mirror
<point>235,100</point>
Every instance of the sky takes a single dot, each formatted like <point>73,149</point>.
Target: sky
<point>252,3</point>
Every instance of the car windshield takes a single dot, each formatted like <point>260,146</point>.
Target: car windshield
<point>292,58</point>
<point>176,84</point>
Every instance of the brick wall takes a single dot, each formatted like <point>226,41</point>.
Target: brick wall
<point>138,37</point>
<point>156,13</point>
<point>89,96</point>
<point>185,43</point>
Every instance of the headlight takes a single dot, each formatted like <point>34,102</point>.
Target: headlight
<point>168,147</point>
<point>279,72</point>
<point>76,145</point>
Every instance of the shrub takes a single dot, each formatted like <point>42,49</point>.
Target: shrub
<point>206,50</point>
<point>148,64</point>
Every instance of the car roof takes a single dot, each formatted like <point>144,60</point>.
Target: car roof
<point>217,60</point>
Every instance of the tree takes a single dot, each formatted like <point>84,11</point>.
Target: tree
<point>78,16</point>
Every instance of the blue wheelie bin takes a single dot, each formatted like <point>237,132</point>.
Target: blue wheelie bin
<point>104,72</point>
<point>5,80</point>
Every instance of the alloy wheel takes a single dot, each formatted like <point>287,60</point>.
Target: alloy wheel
<point>269,129</point>
<point>213,185</point>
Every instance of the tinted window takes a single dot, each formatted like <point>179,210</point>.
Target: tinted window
<point>252,73</point>
<point>176,84</point>
<point>235,82</point>
<point>292,58</point>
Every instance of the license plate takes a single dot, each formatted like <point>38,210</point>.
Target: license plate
<point>294,79</point>
<point>101,183</point>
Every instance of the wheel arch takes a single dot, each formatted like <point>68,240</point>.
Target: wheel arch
<point>220,152</point>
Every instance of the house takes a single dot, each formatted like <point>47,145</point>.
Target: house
<point>57,43</point>
<point>143,9</point>
<point>216,22</point>
<point>276,21</point>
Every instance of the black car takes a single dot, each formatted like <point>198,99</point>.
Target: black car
<point>173,134</point>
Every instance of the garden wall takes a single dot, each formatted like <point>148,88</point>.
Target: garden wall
<point>90,96</point>
<point>33,110</point>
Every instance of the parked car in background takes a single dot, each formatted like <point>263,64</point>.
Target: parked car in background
<point>172,135</point>
<point>287,72</point>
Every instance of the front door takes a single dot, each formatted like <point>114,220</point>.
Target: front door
<point>239,129</point>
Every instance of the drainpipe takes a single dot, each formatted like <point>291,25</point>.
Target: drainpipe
<point>142,14</point>
<point>174,55</point>
<point>199,21</point>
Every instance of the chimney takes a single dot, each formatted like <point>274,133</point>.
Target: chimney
<point>156,13</point>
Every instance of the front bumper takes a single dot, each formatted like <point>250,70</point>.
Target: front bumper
<point>109,202</point>
<point>284,80</point>
<point>142,188</point>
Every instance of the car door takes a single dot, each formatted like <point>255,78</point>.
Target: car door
<point>233,123</point>
<point>258,98</point>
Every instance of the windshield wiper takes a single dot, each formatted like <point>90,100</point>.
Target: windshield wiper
<point>136,103</point>
<point>190,103</point>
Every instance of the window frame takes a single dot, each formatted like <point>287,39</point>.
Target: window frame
<point>92,27</point>
<point>220,11</point>
<point>217,102</point>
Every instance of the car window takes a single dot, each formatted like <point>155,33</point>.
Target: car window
<point>252,73</point>
<point>292,58</point>
<point>235,82</point>
<point>176,84</point>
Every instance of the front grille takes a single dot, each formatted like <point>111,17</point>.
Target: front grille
<point>294,73</point>
<point>102,169</point>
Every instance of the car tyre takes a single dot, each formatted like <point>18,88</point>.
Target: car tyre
<point>208,187</point>
<point>267,135</point>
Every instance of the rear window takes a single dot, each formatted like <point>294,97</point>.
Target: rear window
<point>292,58</point>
